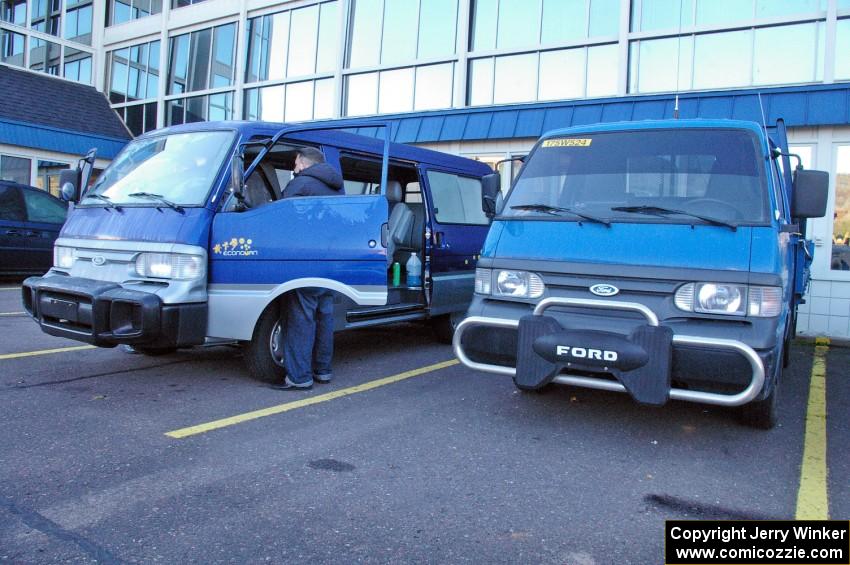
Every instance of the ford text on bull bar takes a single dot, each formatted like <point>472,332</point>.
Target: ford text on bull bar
<point>665,259</point>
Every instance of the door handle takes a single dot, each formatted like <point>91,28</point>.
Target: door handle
<point>14,233</point>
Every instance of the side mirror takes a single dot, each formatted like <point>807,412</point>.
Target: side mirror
<point>491,186</point>
<point>237,174</point>
<point>69,183</point>
<point>811,192</point>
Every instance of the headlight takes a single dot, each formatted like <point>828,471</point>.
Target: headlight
<point>63,257</point>
<point>730,299</point>
<point>518,284</point>
<point>170,266</point>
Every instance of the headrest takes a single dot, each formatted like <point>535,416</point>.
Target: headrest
<point>394,191</point>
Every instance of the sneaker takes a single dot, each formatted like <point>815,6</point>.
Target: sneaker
<point>323,378</point>
<point>289,385</point>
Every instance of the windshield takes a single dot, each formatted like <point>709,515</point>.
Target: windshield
<point>673,176</point>
<point>179,167</point>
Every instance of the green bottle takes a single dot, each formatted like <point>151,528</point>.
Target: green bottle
<point>396,274</point>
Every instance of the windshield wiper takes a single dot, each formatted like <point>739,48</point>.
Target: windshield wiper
<point>105,199</point>
<point>557,210</point>
<point>159,198</point>
<point>661,211</point>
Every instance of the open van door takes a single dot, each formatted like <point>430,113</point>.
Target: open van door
<point>259,252</point>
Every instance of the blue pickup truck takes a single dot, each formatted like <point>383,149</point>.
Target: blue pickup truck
<point>665,259</point>
<point>185,239</point>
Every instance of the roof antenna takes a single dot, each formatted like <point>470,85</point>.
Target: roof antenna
<point>676,108</point>
<point>763,118</point>
<point>678,63</point>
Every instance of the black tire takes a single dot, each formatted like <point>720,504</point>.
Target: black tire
<point>154,351</point>
<point>444,326</point>
<point>262,356</point>
<point>762,414</point>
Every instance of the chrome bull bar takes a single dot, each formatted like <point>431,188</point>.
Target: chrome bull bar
<point>743,397</point>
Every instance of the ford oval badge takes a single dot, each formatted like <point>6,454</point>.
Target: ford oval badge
<point>604,290</point>
<point>98,260</point>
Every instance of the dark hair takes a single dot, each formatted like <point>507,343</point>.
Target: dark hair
<point>312,154</point>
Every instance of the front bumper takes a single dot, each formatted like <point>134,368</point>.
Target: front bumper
<point>106,314</point>
<point>641,363</point>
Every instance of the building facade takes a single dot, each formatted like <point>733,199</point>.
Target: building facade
<point>482,78</point>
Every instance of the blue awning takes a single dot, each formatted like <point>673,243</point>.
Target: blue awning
<point>799,106</point>
<point>47,138</point>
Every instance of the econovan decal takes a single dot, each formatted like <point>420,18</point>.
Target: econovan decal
<point>572,142</point>
<point>235,247</point>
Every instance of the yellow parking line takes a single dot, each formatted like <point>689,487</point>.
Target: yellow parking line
<point>11,313</point>
<point>813,497</point>
<point>44,352</point>
<point>10,288</point>
<point>280,408</point>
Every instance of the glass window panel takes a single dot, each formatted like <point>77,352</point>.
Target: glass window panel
<point>457,200</point>
<point>265,103</point>
<point>665,14</point>
<point>434,87</point>
<point>224,47</point>
<point>519,24</point>
<point>257,47</point>
<point>11,48</point>
<point>153,69</point>
<point>481,82</point>
<point>712,12</point>
<point>48,176</point>
<point>437,28</point>
<point>42,208</point>
<point>516,78</point>
<point>15,169</point>
<point>396,91</point>
<point>118,76</point>
<point>179,66</point>
<point>47,56</point>
<point>328,49</point>
<point>199,61</point>
<point>362,94</point>
<point>220,105</point>
<point>275,47</point>
<point>14,11</point>
<point>196,109</point>
<point>323,104</point>
<point>785,54</point>
<point>842,45</point>
<point>78,24</point>
<point>250,102</point>
<point>564,20</point>
<point>302,41</point>
<point>658,61</point>
<point>174,112</point>
<point>602,65</point>
<point>844,4</point>
<point>722,60</point>
<point>365,47</point>
<point>561,74</point>
<point>774,8</point>
<point>604,17</point>
<point>150,116</point>
<point>121,11</point>
<point>484,18</point>
<point>841,222</point>
<point>135,119</point>
<point>299,102</point>
<point>399,37</point>
<point>77,65</point>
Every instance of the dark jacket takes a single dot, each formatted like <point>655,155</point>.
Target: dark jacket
<point>316,180</point>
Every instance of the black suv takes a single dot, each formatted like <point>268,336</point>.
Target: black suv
<point>30,220</point>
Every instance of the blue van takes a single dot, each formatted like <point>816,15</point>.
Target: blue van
<point>185,239</point>
<point>665,259</point>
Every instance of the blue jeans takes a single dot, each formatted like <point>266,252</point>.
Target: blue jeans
<point>308,334</point>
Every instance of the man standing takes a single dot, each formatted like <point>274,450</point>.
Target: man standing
<point>308,326</point>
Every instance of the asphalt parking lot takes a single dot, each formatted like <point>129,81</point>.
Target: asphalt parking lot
<point>439,465</point>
